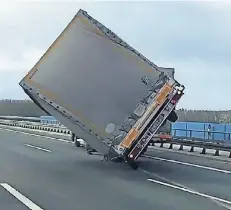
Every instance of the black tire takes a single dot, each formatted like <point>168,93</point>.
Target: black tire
<point>172,117</point>
<point>132,164</point>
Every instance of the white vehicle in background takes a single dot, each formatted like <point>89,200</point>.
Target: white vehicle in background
<point>78,141</point>
<point>103,90</point>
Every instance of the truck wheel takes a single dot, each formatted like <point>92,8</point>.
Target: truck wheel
<point>173,117</point>
<point>132,164</point>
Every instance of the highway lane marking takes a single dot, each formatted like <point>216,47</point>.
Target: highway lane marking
<point>189,164</point>
<point>165,180</point>
<point>39,148</point>
<point>36,135</point>
<point>20,197</point>
<point>190,191</point>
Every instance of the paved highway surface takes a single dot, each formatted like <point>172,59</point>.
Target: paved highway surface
<point>44,174</point>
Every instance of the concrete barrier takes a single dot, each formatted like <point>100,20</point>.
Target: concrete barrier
<point>193,148</point>
<point>37,132</point>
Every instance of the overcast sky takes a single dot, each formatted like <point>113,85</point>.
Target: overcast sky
<point>192,37</point>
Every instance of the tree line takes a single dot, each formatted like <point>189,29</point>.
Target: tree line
<point>27,108</point>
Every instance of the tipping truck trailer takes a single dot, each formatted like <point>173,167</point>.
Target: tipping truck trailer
<point>163,133</point>
<point>102,89</point>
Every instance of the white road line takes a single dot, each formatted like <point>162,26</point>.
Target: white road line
<point>190,191</point>
<point>189,164</point>
<point>165,180</point>
<point>21,197</point>
<point>39,148</point>
<point>37,135</point>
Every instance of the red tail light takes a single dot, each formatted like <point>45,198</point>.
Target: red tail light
<point>173,101</point>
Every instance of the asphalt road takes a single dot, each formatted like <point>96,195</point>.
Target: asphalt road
<point>47,174</point>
